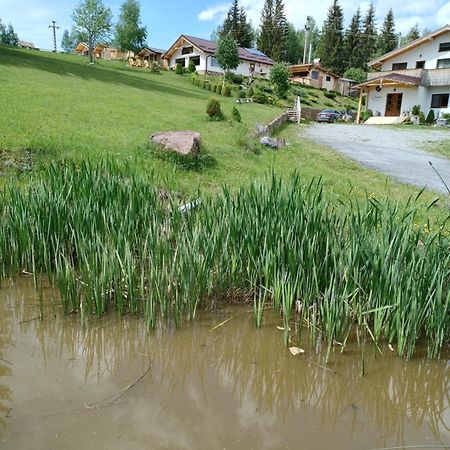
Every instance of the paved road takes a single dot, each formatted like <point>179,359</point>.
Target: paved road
<point>393,152</point>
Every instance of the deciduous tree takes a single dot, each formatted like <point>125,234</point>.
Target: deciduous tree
<point>227,54</point>
<point>130,34</point>
<point>93,19</point>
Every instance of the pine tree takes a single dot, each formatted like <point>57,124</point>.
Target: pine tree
<point>237,26</point>
<point>246,33</point>
<point>231,22</point>
<point>369,35</point>
<point>330,48</point>
<point>294,49</point>
<point>8,36</point>
<point>266,32</point>
<point>388,37</point>
<point>280,32</point>
<point>413,33</point>
<point>353,47</point>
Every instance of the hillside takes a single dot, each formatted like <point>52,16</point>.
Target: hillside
<point>58,106</point>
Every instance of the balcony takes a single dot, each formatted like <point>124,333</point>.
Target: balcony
<point>428,77</point>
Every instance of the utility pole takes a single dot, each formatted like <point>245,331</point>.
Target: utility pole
<point>307,28</point>
<point>54,33</point>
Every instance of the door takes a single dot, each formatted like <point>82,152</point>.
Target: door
<point>393,105</point>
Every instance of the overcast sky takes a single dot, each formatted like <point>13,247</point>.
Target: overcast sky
<point>166,20</point>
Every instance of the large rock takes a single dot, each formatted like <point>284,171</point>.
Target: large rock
<point>183,142</point>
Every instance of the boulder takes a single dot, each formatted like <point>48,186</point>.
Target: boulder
<point>272,142</point>
<point>183,142</point>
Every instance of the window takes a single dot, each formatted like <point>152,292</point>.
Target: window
<point>400,66</point>
<point>420,64</point>
<point>443,63</point>
<point>328,78</point>
<point>214,62</point>
<point>195,60</point>
<point>439,100</point>
<point>444,47</point>
<point>180,61</point>
<point>187,50</point>
<point>314,75</point>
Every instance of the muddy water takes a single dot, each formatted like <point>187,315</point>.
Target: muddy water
<point>115,386</point>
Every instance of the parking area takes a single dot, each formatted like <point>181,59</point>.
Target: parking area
<point>394,152</point>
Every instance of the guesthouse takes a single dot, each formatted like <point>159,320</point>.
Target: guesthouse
<point>201,52</point>
<point>417,73</point>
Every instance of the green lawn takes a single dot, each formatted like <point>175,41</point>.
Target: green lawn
<point>58,106</point>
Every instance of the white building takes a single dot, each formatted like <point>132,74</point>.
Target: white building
<point>201,52</point>
<point>417,73</point>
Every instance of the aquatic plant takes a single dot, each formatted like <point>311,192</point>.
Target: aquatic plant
<point>109,241</point>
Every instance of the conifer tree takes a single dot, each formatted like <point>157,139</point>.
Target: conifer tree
<point>246,33</point>
<point>369,35</point>
<point>237,26</point>
<point>8,36</point>
<point>294,48</point>
<point>331,43</point>
<point>388,38</point>
<point>280,32</point>
<point>266,32</point>
<point>353,50</point>
<point>413,33</point>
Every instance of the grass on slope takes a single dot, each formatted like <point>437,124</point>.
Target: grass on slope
<point>58,106</point>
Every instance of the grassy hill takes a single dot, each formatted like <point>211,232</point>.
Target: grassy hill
<point>58,106</point>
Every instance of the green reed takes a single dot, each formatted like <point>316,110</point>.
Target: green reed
<point>108,241</point>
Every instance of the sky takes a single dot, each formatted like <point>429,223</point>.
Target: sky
<point>166,20</point>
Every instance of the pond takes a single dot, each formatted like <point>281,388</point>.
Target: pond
<point>116,385</point>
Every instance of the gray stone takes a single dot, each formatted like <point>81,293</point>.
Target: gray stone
<point>272,142</point>
<point>183,142</point>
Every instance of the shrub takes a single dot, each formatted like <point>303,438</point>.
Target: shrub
<point>233,78</point>
<point>191,67</point>
<point>422,118</point>
<point>205,84</point>
<point>213,109</point>
<point>226,90</point>
<point>415,110</point>
<point>260,97</point>
<point>430,117</point>
<point>240,94</point>
<point>155,67</point>
<point>330,95</point>
<point>179,69</point>
<point>366,115</point>
<point>250,92</point>
<point>236,114</point>
<point>279,76</point>
<point>219,88</point>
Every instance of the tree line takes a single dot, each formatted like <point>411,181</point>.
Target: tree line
<point>343,51</point>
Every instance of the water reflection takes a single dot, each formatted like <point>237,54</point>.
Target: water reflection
<point>236,362</point>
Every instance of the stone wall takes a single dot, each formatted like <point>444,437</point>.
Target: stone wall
<point>310,113</point>
<point>272,126</point>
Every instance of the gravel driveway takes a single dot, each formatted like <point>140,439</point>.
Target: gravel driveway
<point>393,152</point>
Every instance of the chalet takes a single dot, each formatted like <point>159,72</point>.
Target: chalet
<point>314,75</point>
<point>27,45</point>
<point>417,73</point>
<point>152,54</point>
<point>201,52</point>
<point>101,51</point>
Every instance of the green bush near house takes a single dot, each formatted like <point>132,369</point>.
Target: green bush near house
<point>179,69</point>
<point>191,67</point>
<point>430,117</point>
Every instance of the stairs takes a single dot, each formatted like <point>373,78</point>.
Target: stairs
<point>295,113</point>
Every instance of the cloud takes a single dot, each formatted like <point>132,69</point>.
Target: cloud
<point>214,13</point>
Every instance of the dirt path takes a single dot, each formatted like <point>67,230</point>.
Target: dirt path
<point>393,152</point>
